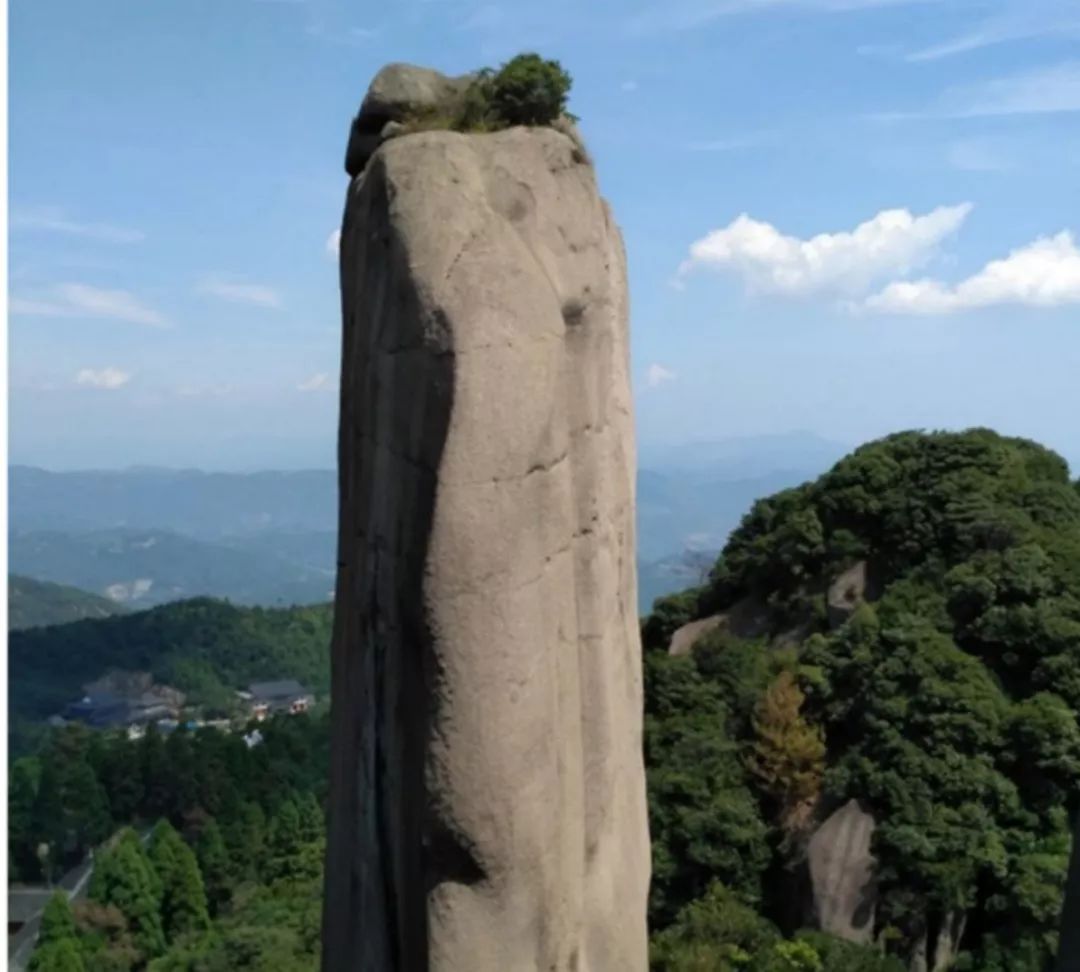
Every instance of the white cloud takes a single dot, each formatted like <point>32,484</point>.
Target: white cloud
<point>53,221</point>
<point>1044,91</point>
<point>1018,20</point>
<point>691,14</point>
<point>320,381</point>
<point>80,300</point>
<point>1045,273</point>
<point>108,379</point>
<point>333,244</point>
<point>259,295</point>
<point>893,243</point>
<point>657,374</point>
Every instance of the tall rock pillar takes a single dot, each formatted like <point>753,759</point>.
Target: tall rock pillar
<point>487,807</point>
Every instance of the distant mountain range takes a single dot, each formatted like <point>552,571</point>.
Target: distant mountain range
<point>38,604</point>
<point>144,536</point>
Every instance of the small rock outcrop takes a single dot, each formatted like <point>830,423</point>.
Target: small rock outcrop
<point>399,93</point>
<point>487,808</point>
<point>846,593</point>
<point>842,874</point>
<point>746,618</point>
<point>684,638</point>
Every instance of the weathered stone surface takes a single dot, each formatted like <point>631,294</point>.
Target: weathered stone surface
<point>401,90</point>
<point>399,93</point>
<point>688,635</point>
<point>748,618</point>
<point>842,874</point>
<point>846,593</point>
<point>361,147</point>
<point>487,807</point>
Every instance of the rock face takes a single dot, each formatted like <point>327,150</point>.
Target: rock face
<point>847,592</point>
<point>684,638</point>
<point>747,618</point>
<point>399,93</point>
<point>1069,941</point>
<point>842,874</point>
<point>487,808</point>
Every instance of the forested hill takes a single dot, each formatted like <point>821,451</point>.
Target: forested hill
<point>205,647</point>
<point>35,604</point>
<point>904,633</point>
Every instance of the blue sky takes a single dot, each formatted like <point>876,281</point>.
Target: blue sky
<point>844,216</point>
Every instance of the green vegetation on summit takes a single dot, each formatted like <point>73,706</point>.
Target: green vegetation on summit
<point>903,632</point>
<point>526,90</point>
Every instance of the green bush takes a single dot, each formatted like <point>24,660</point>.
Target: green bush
<point>528,90</point>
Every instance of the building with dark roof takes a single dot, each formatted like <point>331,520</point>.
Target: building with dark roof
<point>106,710</point>
<point>285,696</point>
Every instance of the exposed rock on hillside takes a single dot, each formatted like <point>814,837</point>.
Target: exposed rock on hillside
<point>749,618</point>
<point>487,806</point>
<point>842,874</point>
<point>850,589</point>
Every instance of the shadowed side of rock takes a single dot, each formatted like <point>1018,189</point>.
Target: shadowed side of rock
<point>487,807</point>
<point>1069,939</point>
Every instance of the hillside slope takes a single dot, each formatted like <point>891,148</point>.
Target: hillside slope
<point>34,604</point>
<point>205,647</point>
<point>144,568</point>
<point>904,633</point>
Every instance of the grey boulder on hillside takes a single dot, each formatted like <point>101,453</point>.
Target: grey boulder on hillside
<point>487,808</point>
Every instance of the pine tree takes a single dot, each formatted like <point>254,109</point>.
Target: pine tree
<point>156,786</point>
<point>214,863</point>
<point>58,942</point>
<point>183,897</point>
<point>284,842</point>
<point>71,810</point>
<point>245,840</point>
<point>183,781</point>
<point>22,828</point>
<point>789,754</point>
<point>62,956</point>
<point>123,877</point>
<point>125,787</point>
<point>57,922</point>
<point>162,850</point>
<point>312,821</point>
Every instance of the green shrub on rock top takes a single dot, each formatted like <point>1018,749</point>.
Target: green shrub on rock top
<point>528,90</point>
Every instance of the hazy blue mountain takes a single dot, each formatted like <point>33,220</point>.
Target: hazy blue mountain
<point>744,457</point>
<point>150,535</point>
<point>148,567</point>
<point>36,604</point>
<point>198,504</point>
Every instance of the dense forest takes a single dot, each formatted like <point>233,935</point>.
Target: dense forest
<point>941,694</point>
<point>208,851</point>
<point>902,634</point>
<point>206,648</point>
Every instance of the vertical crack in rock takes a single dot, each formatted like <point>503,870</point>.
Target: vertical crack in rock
<point>487,806</point>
